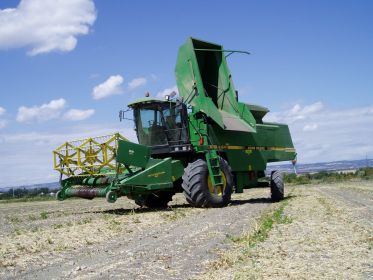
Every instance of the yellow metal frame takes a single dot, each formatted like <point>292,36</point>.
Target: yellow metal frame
<point>87,156</point>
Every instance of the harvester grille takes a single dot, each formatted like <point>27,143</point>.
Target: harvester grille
<point>87,156</point>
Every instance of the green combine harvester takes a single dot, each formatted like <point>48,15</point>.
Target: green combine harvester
<point>205,143</point>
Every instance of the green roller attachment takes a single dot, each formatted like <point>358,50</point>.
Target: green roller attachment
<point>85,192</point>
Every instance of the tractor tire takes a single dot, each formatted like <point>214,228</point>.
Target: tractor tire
<point>111,197</point>
<point>156,200</point>
<point>196,188</point>
<point>277,186</point>
<point>59,195</point>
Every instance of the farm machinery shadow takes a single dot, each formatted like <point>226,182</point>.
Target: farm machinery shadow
<point>141,210</point>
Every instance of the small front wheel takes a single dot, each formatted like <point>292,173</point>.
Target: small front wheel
<point>59,195</point>
<point>111,197</point>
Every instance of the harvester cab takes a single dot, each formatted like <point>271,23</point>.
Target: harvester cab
<point>206,143</point>
<point>162,125</point>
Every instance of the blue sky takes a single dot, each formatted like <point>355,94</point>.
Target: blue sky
<point>311,64</point>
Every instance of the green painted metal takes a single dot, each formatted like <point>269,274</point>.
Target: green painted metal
<point>234,129</point>
<point>158,174</point>
<point>132,154</point>
<point>205,82</point>
<point>216,125</point>
<point>213,165</point>
<point>145,100</point>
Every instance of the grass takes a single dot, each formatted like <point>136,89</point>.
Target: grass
<point>370,243</point>
<point>114,225</point>
<point>57,226</point>
<point>174,214</point>
<point>89,242</point>
<point>35,229</point>
<point>325,204</point>
<point>85,221</point>
<point>32,217</point>
<point>246,242</point>
<point>60,248</point>
<point>13,219</point>
<point>44,215</point>
<point>264,226</point>
<point>136,220</point>
<point>28,199</point>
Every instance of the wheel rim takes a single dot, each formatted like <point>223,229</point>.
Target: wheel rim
<point>111,196</point>
<point>219,190</point>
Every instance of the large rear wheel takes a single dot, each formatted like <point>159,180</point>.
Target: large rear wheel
<point>198,189</point>
<point>277,186</point>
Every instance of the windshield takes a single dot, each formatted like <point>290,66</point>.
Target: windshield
<point>160,125</point>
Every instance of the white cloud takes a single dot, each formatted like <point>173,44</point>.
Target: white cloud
<point>296,113</point>
<point>111,86</point>
<point>34,158</point>
<point>2,111</point>
<point>313,108</point>
<point>45,26</point>
<point>48,111</point>
<point>310,127</point>
<point>135,83</point>
<point>323,134</point>
<point>78,115</point>
<point>3,123</point>
<point>167,91</point>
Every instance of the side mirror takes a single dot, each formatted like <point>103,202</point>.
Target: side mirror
<point>122,116</point>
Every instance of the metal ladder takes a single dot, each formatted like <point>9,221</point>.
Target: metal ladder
<point>213,165</point>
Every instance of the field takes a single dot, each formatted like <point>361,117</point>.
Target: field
<point>320,231</point>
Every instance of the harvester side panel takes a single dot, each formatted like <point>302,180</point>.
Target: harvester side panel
<point>204,81</point>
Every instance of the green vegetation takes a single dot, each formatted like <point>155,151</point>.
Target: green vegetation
<point>25,195</point>
<point>86,220</point>
<point>174,214</point>
<point>246,242</point>
<point>57,226</point>
<point>114,225</point>
<point>27,199</point>
<point>265,224</point>
<point>32,217</point>
<point>44,215</point>
<point>325,204</point>
<point>13,219</point>
<point>328,177</point>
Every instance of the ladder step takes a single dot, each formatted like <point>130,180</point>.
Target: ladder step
<point>214,167</point>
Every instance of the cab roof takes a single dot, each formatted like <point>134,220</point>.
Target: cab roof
<point>147,100</point>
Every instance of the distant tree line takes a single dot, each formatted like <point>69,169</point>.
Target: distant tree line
<point>329,177</point>
<point>22,193</point>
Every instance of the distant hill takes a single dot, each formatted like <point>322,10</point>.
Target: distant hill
<point>322,166</point>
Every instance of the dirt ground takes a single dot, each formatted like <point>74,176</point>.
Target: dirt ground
<point>330,234</point>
